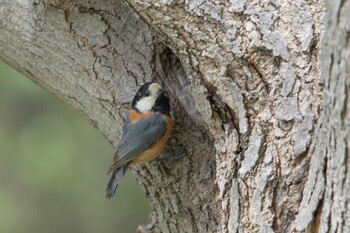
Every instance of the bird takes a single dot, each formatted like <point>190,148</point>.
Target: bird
<point>146,131</point>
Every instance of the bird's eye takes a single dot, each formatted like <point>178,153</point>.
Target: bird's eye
<point>147,93</point>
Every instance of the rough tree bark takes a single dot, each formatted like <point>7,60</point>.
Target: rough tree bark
<point>259,89</point>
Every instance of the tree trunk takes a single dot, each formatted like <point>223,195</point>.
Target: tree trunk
<point>259,90</point>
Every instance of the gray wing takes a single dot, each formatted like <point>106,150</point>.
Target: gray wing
<point>137,138</point>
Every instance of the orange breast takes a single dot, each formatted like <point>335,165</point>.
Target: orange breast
<point>136,116</point>
<point>156,149</point>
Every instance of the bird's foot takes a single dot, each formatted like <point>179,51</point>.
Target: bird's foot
<point>178,155</point>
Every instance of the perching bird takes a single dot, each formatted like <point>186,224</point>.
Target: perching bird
<point>145,133</point>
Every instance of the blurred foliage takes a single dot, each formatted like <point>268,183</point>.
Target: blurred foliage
<point>52,166</point>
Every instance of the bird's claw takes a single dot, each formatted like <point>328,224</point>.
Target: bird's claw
<point>178,154</point>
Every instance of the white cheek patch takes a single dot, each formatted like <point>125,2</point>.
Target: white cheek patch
<point>145,104</point>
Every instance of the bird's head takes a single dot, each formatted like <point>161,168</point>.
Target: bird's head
<point>151,97</point>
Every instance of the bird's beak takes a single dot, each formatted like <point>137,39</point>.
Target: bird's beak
<point>161,91</point>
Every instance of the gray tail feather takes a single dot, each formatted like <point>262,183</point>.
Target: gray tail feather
<point>114,181</point>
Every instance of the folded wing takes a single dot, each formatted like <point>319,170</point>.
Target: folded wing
<point>137,138</point>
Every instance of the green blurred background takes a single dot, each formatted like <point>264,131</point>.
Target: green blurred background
<point>52,166</point>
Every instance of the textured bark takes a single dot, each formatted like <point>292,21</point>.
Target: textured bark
<point>259,91</point>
